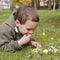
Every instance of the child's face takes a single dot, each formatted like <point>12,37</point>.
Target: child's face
<point>28,27</point>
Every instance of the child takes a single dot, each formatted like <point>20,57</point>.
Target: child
<point>17,30</point>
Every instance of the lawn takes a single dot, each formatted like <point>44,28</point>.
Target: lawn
<point>4,14</point>
<point>47,33</point>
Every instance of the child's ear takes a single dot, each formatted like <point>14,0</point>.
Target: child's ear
<point>17,23</point>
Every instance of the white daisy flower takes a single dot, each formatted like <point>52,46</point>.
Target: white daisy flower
<point>43,33</point>
<point>45,51</point>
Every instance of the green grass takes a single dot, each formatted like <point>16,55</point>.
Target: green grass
<point>49,24</point>
<point>4,14</point>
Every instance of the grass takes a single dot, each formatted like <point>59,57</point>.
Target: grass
<point>4,14</point>
<point>49,24</point>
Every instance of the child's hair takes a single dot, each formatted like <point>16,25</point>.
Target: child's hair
<point>24,13</point>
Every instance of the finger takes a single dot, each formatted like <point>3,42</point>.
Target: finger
<point>38,45</point>
<point>29,36</point>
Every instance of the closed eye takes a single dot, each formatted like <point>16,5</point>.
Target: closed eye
<point>29,29</point>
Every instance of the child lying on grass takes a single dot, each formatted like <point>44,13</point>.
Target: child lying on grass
<point>16,31</point>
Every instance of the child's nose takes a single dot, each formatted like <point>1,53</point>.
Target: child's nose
<point>31,31</point>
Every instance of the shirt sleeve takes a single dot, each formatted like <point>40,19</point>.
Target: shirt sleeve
<point>7,43</point>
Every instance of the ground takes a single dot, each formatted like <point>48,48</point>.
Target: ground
<point>47,34</point>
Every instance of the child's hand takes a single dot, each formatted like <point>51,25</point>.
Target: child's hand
<point>25,39</point>
<point>35,44</point>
